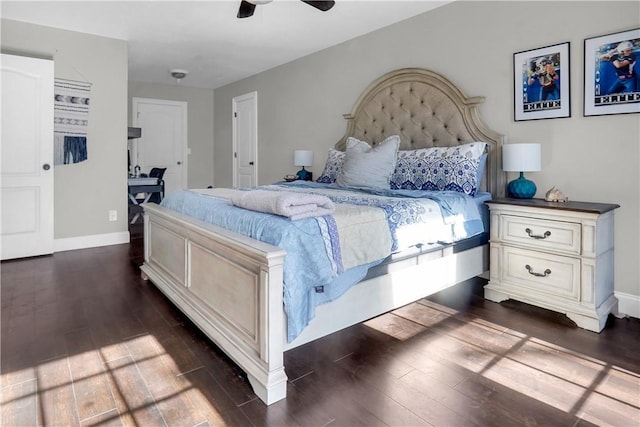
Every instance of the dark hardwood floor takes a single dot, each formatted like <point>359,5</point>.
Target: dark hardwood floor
<point>85,341</point>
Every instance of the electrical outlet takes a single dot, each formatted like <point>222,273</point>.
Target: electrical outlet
<point>113,215</point>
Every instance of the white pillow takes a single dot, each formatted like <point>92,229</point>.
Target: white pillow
<point>367,167</point>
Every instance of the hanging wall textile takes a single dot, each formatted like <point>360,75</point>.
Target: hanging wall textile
<point>71,118</point>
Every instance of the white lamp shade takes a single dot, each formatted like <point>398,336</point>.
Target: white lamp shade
<point>303,158</point>
<point>521,157</point>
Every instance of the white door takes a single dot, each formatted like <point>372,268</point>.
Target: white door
<point>27,157</point>
<point>245,140</point>
<point>164,139</point>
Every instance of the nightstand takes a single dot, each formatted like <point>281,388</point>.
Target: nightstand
<point>559,256</point>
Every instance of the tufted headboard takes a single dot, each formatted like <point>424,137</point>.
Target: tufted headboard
<point>426,110</point>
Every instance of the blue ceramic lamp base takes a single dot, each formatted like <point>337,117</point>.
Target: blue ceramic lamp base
<point>304,174</point>
<point>521,188</point>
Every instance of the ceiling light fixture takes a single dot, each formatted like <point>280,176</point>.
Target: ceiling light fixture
<point>179,74</point>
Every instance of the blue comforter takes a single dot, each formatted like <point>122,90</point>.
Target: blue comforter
<point>310,274</point>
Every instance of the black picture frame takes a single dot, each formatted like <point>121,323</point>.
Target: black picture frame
<point>611,78</point>
<point>541,83</point>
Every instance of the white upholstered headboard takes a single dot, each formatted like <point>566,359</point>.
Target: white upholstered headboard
<point>426,110</point>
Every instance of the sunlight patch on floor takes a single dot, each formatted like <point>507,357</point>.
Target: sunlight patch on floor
<point>125,381</point>
<point>552,374</point>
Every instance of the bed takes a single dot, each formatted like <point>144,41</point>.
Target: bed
<point>232,286</point>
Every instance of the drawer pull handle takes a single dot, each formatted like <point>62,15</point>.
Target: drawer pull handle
<point>536,236</point>
<point>530,270</point>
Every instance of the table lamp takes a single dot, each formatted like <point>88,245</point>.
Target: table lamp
<point>303,158</point>
<point>521,158</point>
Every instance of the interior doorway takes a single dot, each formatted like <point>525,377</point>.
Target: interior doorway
<point>245,140</point>
<point>163,143</point>
<point>27,157</point>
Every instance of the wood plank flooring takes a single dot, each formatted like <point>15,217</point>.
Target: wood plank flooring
<point>87,342</point>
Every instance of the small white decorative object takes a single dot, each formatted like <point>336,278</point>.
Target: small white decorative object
<point>555,195</point>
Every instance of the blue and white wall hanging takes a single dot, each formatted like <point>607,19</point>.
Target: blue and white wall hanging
<point>71,120</point>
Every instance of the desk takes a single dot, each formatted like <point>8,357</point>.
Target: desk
<point>146,186</point>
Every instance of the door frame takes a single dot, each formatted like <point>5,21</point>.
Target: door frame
<point>185,143</point>
<point>251,96</point>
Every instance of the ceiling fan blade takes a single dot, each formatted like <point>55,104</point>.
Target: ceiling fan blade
<point>246,9</point>
<point>322,5</point>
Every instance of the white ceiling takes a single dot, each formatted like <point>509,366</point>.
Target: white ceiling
<point>206,38</point>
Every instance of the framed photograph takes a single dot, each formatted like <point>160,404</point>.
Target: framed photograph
<point>541,83</point>
<point>611,78</point>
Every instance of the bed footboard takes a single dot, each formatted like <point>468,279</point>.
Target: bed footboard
<point>230,286</point>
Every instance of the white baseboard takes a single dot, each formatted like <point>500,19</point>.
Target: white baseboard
<point>93,241</point>
<point>628,304</point>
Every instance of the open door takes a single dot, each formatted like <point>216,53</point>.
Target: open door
<point>27,157</point>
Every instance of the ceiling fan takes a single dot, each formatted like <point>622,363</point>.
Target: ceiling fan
<point>247,7</point>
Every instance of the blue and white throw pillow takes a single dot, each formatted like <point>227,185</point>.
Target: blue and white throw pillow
<point>332,168</point>
<point>440,169</point>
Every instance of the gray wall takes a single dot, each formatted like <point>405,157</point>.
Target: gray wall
<point>472,43</point>
<point>85,192</point>
<point>199,126</point>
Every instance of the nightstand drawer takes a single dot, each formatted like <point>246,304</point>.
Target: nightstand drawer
<point>541,272</point>
<point>541,234</point>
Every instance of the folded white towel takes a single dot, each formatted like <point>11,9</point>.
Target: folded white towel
<point>291,204</point>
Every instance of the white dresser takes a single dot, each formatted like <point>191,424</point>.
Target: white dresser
<point>559,256</point>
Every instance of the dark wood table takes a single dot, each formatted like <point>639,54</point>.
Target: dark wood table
<point>146,186</point>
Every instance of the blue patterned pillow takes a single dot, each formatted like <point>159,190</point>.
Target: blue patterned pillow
<point>440,169</point>
<point>332,168</point>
